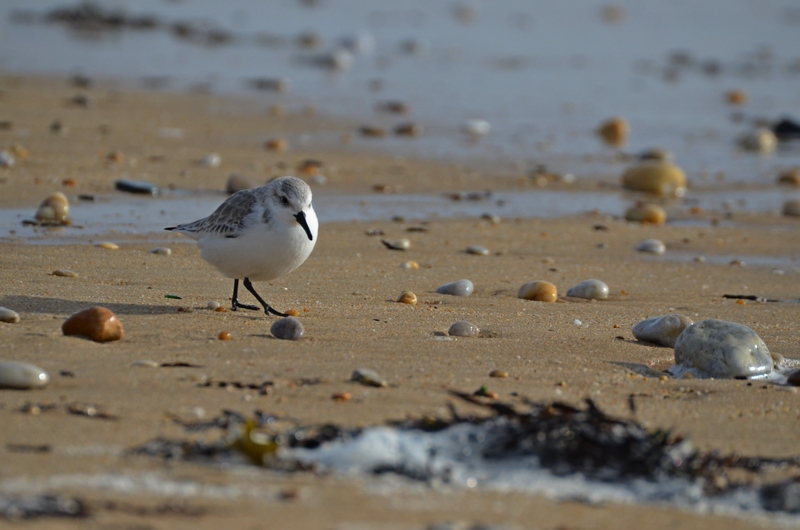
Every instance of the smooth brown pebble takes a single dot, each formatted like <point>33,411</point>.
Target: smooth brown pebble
<point>660,178</point>
<point>498,373</point>
<point>224,335</point>
<point>647,213</point>
<point>540,291</point>
<point>614,132</point>
<point>407,297</point>
<point>96,323</point>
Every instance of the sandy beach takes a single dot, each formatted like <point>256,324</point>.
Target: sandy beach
<point>345,296</point>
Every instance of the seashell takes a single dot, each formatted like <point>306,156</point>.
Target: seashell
<point>6,159</point>
<point>659,178</point>
<point>715,348</point>
<point>540,291</point>
<point>22,376</point>
<point>96,323</point>
<point>761,140</point>
<point>409,265</point>
<point>791,208</point>
<point>276,144</point>
<point>646,213</point>
<point>8,315</point>
<point>237,182</point>
<point>477,128</point>
<point>108,245</point>
<point>663,330</point>
<point>136,186</point>
<point>211,160</point>
<point>590,290</point>
<point>224,335</point>
<point>736,97</point>
<point>457,288</point>
<point>478,250</point>
<point>65,273</point>
<point>407,297</point>
<point>54,209</point>
<point>145,363</point>
<point>790,177</point>
<point>287,328</point>
<point>368,377</point>
<point>161,251</point>
<point>653,246</point>
<point>400,244</point>
<point>463,328</point>
<point>614,132</point>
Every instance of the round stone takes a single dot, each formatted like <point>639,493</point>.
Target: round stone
<point>715,348</point>
<point>646,213</point>
<point>478,250</point>
<point>663,330</point>
<point>653,246</point>
<point>457,288</point>
<point>8,315</point>
<point>96,323</point>
<point>659,178</point>
<point>540,291</point>
<point>22,376</point>
<point>288,328</point>
<point>590,290</point>
<point>760,140</point>
<point>407,297</point>
<point>213,305</point>
<point>54,209</point>
<point>463,328</point>
<point>792,208</point>
<point>614,132</point>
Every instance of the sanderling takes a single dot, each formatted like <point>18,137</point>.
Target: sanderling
<point>258,234</point>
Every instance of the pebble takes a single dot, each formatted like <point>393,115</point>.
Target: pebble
<point>500,374</point>
<point>792,208</point>
<point>540,290</point>
<point>211,160</point>
<point>368,377</point>
<point>96,323</point>
<point>492,218</point>
<point>22,376</point>
<point>715,348</point>
<point>288,328</point>
<point>463,328</point>
<point>409,265</point>
<point>477,128</point>
<point>213,305</point>
<point>412,130</point>
<point>663,330</point>
<point>777,358</point>
<point>761,140</point>
<point>108,245</point>
<point>224,335</point>
<point>276,144</point>
<point>237,182</point>
<point>136,186</point>
<point>653,246</point>
<point>65,273</point>
<point>646,213</point>
<point>590,290</point>
<point>161,251</point>
<point>457,288</point>
<point>407,297</point>
<point>146,363</point>
<point>400,244</point>
<point>790,177</point>
<point>6,159</point>
<point>614,132</point>
<point>8,315</point>
<point>54,209</point>
<point>660,178</point>
<point>737,97</point>
<point>477,250</point>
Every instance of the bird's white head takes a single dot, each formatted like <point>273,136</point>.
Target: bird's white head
<point>291,198</point>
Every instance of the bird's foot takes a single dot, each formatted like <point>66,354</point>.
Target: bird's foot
<point>237,304</point>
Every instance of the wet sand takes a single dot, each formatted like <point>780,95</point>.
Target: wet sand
<point>345,294</point>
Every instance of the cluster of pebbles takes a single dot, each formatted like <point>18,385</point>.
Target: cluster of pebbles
<point>714,349</point>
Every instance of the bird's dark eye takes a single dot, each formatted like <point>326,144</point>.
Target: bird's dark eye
<point>284,201</point>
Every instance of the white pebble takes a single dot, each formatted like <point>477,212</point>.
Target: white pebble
<point>212,305</point>
<point>8,315</point>
<point>715,348</point>
<point>577,322</point>
<point>162,251</point>
<point>653,246</point>
<point>146,363</point>
<point>6,159</point>
<point>590,290</point>
<point>211,160</point>
<point>663,330</point>
<point>477,128</point>
<point>477,250</point>
<point>22,376</point>
<point>458,288</point>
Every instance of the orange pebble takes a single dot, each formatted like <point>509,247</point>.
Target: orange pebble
<point>224,335</point>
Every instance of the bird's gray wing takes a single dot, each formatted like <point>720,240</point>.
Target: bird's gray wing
<point>229,219</point>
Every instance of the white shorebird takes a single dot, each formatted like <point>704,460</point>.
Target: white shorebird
<point>258,234</point>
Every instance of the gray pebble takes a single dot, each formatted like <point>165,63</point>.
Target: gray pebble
<point>663,330</point>
<point>22,376</point>
<point>458,288</point>
<point>590,290</point>
<point>288,328</point>
<point>463,328</point>
<point>368,377</point>
<point>653,246</point>
<point>715,348</point>
<point>136,186</point>
<point>477,250</point>
<point>146,363</point>
<point>162,251</point>
<point>7,315</point>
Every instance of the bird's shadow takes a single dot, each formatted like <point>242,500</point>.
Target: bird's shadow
<point>40,304</point>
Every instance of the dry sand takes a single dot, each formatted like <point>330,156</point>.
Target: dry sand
<point>345,294</point>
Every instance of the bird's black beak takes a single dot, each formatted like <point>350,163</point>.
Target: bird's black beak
<point>301,219</point>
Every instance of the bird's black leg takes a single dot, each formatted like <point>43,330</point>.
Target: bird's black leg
<point>267,308</point>
<point>235,299</point>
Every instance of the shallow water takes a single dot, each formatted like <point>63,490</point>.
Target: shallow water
<point>543,74</point>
